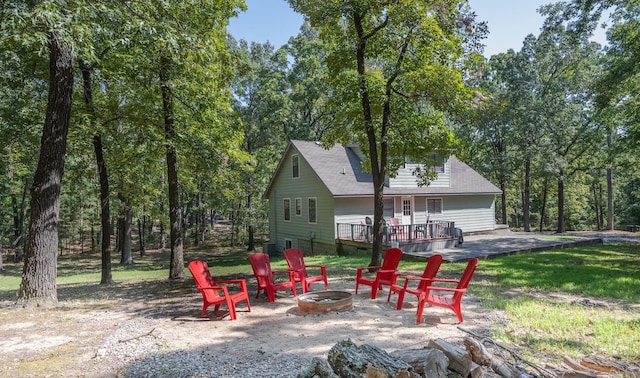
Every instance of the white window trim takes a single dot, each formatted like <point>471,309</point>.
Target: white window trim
<point>441,205</point>
<point>298,200</point>
<point>284,214</point>
<point>297,157</point>
<point>309,210</point>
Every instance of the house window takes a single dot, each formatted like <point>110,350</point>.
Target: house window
<point>298,206</point>
<point>296,166</point>
<point>434,206</point>
<point>312,210</point>
<point>287,243</point>
<point>287,209</point>
<point>406,207</point>
<point>438,163</point>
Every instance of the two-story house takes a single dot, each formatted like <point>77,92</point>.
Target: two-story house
<point>320,198</point>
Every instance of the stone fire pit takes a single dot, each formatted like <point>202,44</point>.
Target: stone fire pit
<point>320,302</point>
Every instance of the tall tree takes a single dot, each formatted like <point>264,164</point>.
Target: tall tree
<point>262,102</point>
<point>40,267</point>
<point>392,65</point>
<point>186,52</point>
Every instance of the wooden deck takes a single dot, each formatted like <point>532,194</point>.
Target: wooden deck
<point>409,237</point>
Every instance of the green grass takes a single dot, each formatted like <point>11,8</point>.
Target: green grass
<point>573,302</point>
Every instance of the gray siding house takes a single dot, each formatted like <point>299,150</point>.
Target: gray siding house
<point>314,191</point>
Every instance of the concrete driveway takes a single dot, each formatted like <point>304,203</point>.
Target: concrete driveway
<point>488,246</point>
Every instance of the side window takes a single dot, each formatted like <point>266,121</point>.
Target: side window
<point>287,209</point>
<point>298,206</point>
<point>312,210</point>
<point>296,166</point>
<point>287,243</point>
<point>434,205</point>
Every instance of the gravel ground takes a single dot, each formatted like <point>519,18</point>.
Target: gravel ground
<point>153,329</point>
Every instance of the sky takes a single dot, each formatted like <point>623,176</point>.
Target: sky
<point>509,22</point>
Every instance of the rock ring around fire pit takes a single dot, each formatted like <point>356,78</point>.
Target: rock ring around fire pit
<point>320,302</point>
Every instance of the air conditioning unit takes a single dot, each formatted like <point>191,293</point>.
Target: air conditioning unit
<point>269,249</point>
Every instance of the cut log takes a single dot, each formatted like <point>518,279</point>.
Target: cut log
<point>564,373</point>
<point>349,360</point>
<point>606,365</point>
<point>318,368</point>
<point>482,356</point>
<point>577,367</point>
<point>429,362</point>
<point>459,359</point>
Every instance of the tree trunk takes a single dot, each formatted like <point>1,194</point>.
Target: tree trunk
<point>103,178</point>
<point>142,235</point>
<point>39,273</point>
<point>176,267</point>
<point>610,224</point>
<point>378,168</point>
<point>503,187</point>
<point>543,210</point>
<point>610,196</point>
<point>105,216</point>
<point>125,225</point>
<point>251,242</point>
<point>561,225</point>
<point>526,196</point>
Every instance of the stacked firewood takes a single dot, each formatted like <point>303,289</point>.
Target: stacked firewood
<point>440,358</point>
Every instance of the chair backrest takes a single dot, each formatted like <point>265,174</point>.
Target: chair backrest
<point>394,221</point>
<point>261,268</point>
<point>391,259</point>
<point>202,277</point>
<point>466,276</point>
<point>430,271</point>
<point>295,260</point>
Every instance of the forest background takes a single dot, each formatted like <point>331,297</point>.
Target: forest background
<point>173,124</point>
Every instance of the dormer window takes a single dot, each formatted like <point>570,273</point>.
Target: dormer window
<point>295,166</point>
<point>438,163</point>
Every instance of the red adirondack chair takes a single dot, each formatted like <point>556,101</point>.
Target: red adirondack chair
<point>430,271</point>
<point>216,292</point>
<point>384,276</point>
<point>265,276</point>
<point>452,302</point>
<point>295,260</point>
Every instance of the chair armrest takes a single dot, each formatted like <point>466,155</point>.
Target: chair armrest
<point>369,267</point>
<point>445,280</point>
<point>315,266</point>
<point>216,288</point>
<point>359,270</point>
<point>241,282</point>
<point>438,288</point>
<point>229,281</point>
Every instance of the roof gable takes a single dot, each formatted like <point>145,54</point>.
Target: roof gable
<point>339,169</point>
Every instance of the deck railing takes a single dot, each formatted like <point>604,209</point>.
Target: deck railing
<point>404,233</point>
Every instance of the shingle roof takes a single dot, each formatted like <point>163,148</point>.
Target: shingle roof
<point>340,170</point>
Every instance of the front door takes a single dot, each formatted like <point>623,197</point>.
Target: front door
<point>407,210</point>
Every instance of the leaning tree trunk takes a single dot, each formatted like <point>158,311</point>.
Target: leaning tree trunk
<point>39,273</point>
<point>176,267</point>
<point>103,178</point>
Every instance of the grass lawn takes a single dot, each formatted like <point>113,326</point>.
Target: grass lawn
<point>572,302</point>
